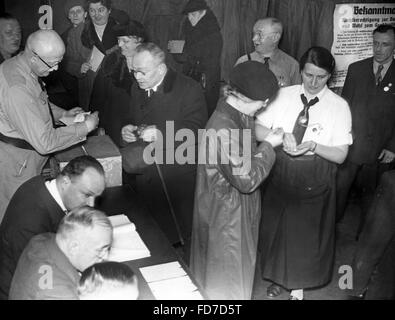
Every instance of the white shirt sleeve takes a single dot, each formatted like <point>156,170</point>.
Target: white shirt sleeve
<point>342,134</point>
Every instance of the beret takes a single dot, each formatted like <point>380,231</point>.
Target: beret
<point>254,80</point>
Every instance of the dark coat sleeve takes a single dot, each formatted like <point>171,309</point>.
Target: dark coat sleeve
<point>194,111</point>
<point>348,87</point>
<point>246,177</point>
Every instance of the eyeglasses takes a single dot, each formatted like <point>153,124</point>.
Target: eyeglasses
<point>262,36</point>
<point>135,72</point>
<point>43,61</point>
<point>127,39</point>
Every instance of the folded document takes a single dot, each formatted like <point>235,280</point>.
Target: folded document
<point>127,244</point>
<point>169,281</point>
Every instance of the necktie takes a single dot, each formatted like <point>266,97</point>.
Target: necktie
<point>150,92</point>
<point>303,118</point>
<point>42,85</point>
<point>266,61</point>
<point>378,76</point>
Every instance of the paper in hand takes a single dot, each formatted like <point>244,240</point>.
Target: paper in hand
<point>96,59</point>
<point>176,46</point>
<point>81,117</point>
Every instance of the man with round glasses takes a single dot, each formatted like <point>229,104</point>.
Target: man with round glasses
<point>27,119</point>
<point>163,98</point>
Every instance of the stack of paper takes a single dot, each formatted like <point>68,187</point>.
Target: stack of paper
<point>169,281</point>
<point>127,244</point>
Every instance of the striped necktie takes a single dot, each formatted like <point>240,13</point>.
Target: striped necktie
<point>378,75</point>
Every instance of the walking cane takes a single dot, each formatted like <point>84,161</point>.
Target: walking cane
<point>169,203</point>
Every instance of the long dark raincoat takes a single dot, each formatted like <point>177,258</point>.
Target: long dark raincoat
<point>227,207</point>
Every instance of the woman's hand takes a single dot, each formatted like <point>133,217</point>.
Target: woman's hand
<point>289,143</point>
<point>302,148</point>
<point>85,67</point>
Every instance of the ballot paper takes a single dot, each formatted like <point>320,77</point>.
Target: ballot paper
<point>127,244</point>
<point>96,59</point>
<point>176,46</point>
<point>169,281</point>
<point>80,117</point>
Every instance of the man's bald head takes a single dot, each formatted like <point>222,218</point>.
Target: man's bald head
<point>45,50</point>
<point>46,43</point>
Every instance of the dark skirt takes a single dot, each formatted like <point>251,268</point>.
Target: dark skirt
<point>297,231</point>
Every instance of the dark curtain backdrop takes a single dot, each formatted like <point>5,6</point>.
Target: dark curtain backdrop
<point>306,22</point>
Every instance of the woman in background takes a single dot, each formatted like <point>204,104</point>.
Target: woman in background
<point>111,89</point>
<point>100,31</point>
<point>201,57</point>
<point>76,54</point>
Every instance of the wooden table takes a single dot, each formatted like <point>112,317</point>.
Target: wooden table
<point>124,200</point>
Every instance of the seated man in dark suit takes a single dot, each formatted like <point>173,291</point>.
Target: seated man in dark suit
<point>49,266</point>
<point>38,207</point>
<point>169,101</point>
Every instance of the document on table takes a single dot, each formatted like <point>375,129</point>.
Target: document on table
<point>96,59</point>
<point>169,281</point>
<point>127,244</point>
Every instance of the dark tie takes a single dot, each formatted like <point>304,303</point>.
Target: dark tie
<point>378,76</point>
<point>302,120</point>
<point>266,61</point>
<point>150,92</point>
<point>42,85</point>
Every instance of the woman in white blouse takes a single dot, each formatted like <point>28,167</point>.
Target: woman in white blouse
<point>298,218</point>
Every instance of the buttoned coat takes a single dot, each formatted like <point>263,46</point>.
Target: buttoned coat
<point>373,111</point>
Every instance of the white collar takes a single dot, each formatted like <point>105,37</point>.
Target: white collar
<point>385,66</point>
<point>319,95</point>
<point>155,88</point>
<point>53,190</point>
<point>100,30</point>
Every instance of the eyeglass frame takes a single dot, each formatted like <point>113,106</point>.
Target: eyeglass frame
<point>262,36</point>
<point>145,73</point>
<point>43,61</point>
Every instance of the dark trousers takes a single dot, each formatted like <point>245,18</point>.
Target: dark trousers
<point>365,177</point>
<point>374,261</point>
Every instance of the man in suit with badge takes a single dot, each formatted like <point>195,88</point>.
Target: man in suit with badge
<point>370,90</point>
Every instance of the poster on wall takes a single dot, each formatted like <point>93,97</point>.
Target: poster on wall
<point>353,25</point>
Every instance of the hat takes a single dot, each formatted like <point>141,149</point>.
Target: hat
<point>73,3</point>
<point>254,80</point>
<point>195,5</point>
<point>133,29</point>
